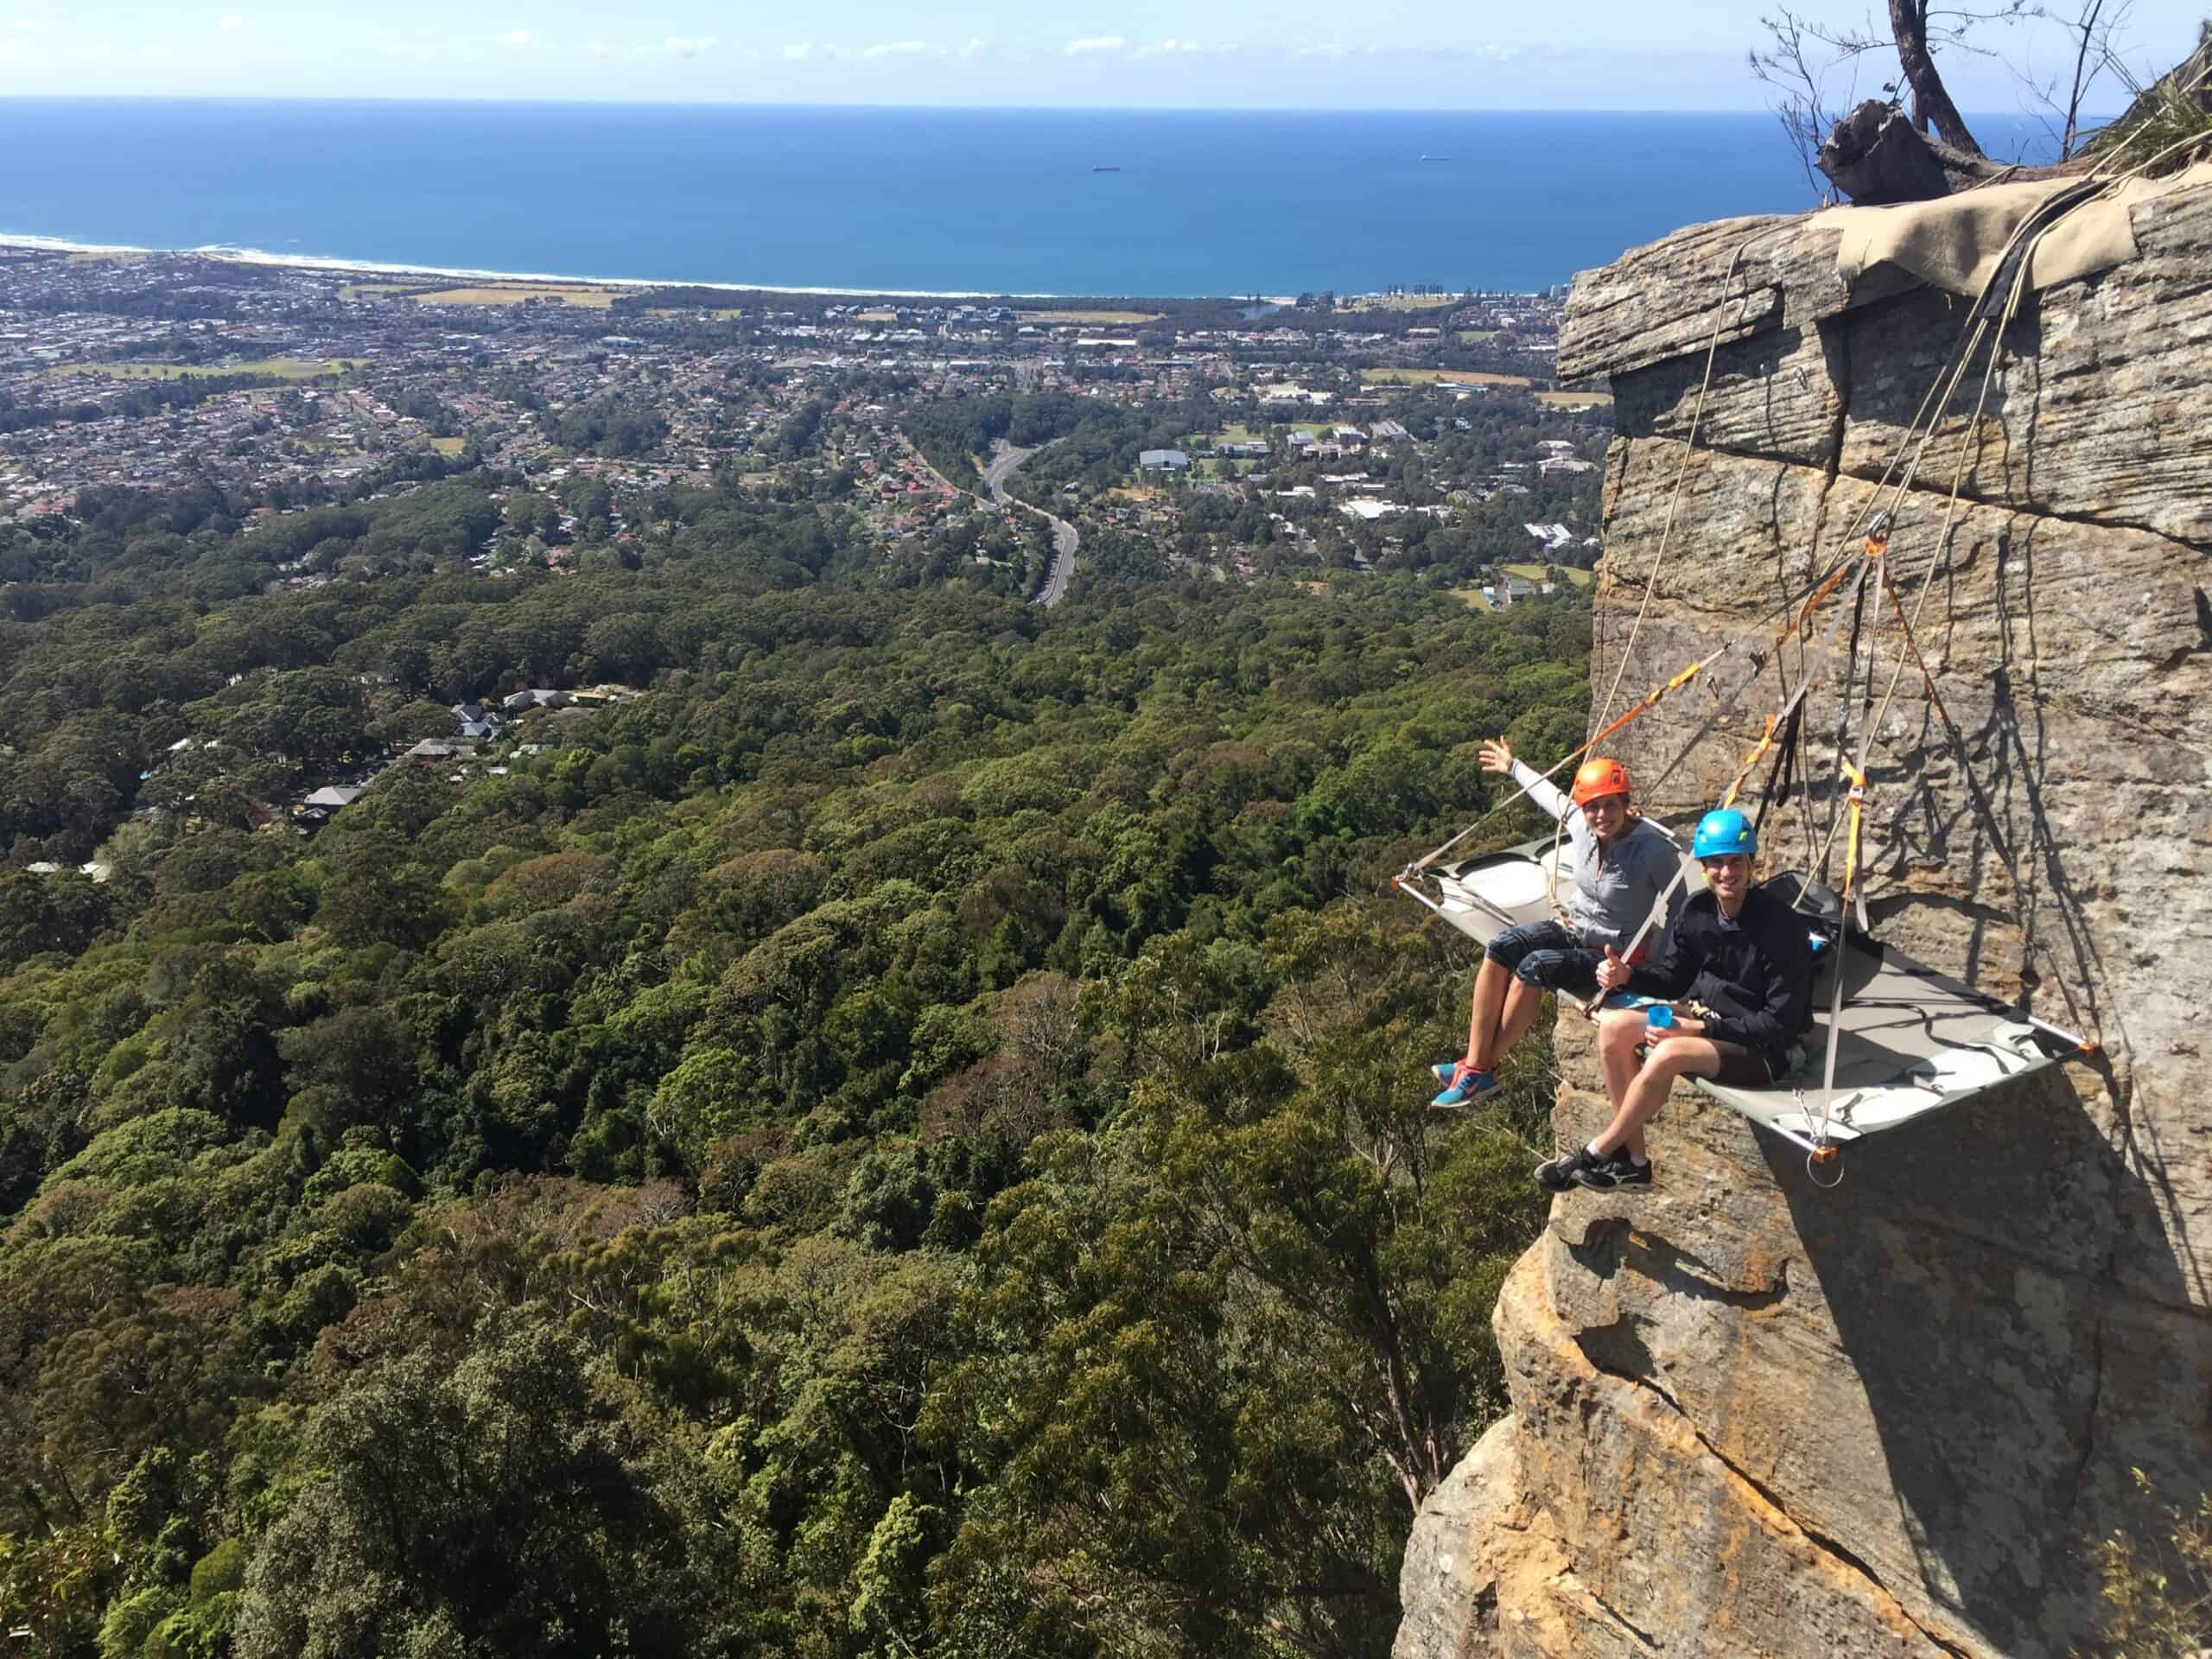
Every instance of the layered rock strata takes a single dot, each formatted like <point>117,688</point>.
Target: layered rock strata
<point>1753,1417</point>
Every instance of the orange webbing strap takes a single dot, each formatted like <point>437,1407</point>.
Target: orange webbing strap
<point>1651,700</point>
<point>1857,775</point>
<point>1805,615</point>
<point>1912,644</point>
<point>1765,742</point>
<point>1635,711</point>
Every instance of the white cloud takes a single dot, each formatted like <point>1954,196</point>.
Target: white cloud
<point>96,49</point>
<point>799,52</point>
<point>1174,49</point>
<point>1091,43</point>
<point>155,50</point>
<point>516,37</point>
<point>973,47</point>
<point>689,46</point>
<point>1326,49</point>
<point>905,49</point>
<point>229,19</point>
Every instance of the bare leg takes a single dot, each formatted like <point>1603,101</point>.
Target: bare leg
<point>1491,980</point>
<point>1522,1001</point>
<point>1671,1057</point>
<point>1618,1035</point>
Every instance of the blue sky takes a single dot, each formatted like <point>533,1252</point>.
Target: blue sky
<point>1232,54</point>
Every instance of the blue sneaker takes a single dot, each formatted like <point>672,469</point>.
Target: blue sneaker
<point>1445,1071</point>
<point>1466,1085</point>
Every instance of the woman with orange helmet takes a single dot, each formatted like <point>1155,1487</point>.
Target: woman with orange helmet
<point>1622,865</point>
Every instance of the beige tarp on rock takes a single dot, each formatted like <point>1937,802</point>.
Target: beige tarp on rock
<point>1955,243</point>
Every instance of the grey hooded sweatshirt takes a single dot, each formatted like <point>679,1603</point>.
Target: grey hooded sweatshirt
<point>1614,893</point>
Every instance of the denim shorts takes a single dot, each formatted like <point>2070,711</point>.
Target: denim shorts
<point>1546,956</point>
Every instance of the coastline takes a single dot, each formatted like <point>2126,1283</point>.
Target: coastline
<point>468,274</point>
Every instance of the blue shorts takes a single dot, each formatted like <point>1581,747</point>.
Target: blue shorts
<point>1546,956</point>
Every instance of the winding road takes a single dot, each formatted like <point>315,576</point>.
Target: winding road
<point>1005,462</point>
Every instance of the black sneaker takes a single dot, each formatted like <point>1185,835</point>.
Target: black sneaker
<point>1561,1174</point>
<point>1618,1170</point>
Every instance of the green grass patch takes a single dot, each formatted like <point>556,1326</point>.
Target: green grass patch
<point>1576,399</point>
<point>1535,573</point>
<point>588,295</point>
<point>1472,598</point>
<point>1399,302</point>
<point>448,445</point>
<point>1476,336</point>
<point>267,368</point>
<point>1438,377</point>
<point>1201,441</point>
<point>1103,319</point>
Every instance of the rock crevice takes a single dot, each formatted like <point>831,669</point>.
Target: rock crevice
<point>1753,1417</point>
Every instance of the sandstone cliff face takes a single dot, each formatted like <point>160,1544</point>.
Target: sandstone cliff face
<point>1752,1417</point>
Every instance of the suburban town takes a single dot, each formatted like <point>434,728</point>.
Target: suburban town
<point>1321,438</point>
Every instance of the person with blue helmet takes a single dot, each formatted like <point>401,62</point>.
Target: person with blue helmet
<point>1623,865</point>
<point>1735,973</point>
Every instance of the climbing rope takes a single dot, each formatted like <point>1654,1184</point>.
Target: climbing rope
<point>1635,711</point>
<point>1821,1143</point>
<point>1990,320</point>
<point>1682,473</point>
<point>1860,562</point>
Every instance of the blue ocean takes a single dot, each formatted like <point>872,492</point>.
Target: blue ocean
<point>1080,202</point>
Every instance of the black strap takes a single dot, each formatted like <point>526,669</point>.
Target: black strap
<point>1776,791</point>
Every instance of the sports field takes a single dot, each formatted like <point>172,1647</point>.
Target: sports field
<point>589,295</point>
<point>1439,377</point>
<point>1535,573</point>
<point>1089,316</point>
<point>1396,302</point>
<point>271,368</point>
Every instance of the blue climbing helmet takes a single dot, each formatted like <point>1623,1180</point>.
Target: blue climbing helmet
<point>1722,832</point>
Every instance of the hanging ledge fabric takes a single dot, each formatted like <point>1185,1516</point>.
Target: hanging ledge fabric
<point>1955,242</point>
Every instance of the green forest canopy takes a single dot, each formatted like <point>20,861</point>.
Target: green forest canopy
<point>908,1138</point>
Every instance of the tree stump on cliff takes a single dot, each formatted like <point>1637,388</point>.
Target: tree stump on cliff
<point>1876,155</point>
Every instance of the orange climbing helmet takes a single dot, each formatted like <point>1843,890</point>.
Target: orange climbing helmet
<point>1596,777</point>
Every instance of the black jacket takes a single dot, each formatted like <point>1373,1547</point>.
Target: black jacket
<point>1756,975</point>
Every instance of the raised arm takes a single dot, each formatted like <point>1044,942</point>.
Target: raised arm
<point>1541,790</point>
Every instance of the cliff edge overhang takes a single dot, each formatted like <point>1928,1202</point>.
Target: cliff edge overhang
<point>1751,1416</point>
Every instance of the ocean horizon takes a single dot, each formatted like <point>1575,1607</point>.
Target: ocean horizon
<point>874,199</point>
